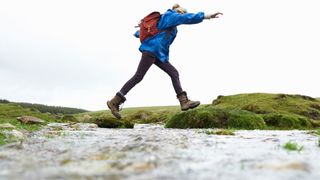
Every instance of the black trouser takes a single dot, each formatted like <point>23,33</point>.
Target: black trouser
<point>146,61</point>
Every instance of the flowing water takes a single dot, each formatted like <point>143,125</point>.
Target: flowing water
<point>82,151</point>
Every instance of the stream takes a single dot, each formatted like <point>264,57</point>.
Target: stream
<point>149,151</point>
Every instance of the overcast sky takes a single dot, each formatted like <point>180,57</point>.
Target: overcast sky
<point>79,53</point>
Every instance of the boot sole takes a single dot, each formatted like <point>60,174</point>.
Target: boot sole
<point>191,107</point>
<point>118,116</point>
<point>195,105</point>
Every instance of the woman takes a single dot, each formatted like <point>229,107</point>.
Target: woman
<point>155,50</point>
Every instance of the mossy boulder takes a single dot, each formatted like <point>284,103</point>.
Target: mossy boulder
<point>105,121</point>
<point>208,117</point>
<point>197,118</point>
<point>285,121</point>
<point>253,111</point>
<point>241,119</point>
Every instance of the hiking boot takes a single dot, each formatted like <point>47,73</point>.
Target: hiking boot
<point>114,104</point>
<point>186,103</point>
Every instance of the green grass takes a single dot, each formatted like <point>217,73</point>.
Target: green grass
<point>241,111</point>
<point>314,132</point>
<point>263,103</point>
<point>227,132</point>
<point>292,146</point>
<point>18,125</point>
<point>10,111</point>
<point>2,139</point>
<point>131,110</point>
<point>152,114</point>
<point>253,111</point>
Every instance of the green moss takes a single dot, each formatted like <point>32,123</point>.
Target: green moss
<point>241,119</point>
<point>139,116</point>
<point>153,114</point>
<point>282,111</point>
<point>197,118</point>
<point>19,126</point>
<point>105,121</point>
<point>292,146</point>
<point>209,117</point>
<point>157,117</point>
<point>2,139</point>
<point>284,121</point>
<point>241,111</point>
<point>263,103</point>
<point>226,132</point>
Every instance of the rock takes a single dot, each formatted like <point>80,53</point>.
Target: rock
<point>7,126</point>
<point>13,135</point>
<point>282,166</point>
<point>111,122</point>
<point>30,120</point>
<point>93,126</point>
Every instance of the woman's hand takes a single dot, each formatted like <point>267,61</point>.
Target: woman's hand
<point>211,16</point>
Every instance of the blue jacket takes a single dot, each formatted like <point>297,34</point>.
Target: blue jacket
<point>160,43</point>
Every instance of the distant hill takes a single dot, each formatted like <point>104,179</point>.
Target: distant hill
<point>45,108</point>
<point>10,111</point>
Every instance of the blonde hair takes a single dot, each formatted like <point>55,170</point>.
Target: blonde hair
<point>179,9</point>
<point>175,6</point>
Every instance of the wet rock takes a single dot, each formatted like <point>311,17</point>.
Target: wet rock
<point>30,120</point>
<point>7,126</point>
<point>271,140</point>
<point>93,126</point>
<point>151,151</point>
<point>283,166</point>
<point>13,135</point>
<point>140,167</point>
<point>111,122</point>
<point>72,126</point>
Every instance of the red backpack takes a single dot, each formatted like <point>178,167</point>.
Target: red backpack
<point>148,25</point>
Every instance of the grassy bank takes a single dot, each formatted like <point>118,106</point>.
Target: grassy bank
<point>242,111</point>
<point>152,114</point>
<point>10,111</point>
<point>253,111</point>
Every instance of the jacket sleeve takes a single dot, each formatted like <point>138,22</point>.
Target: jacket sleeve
<point>171,18</point>
<point>137,34</point>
